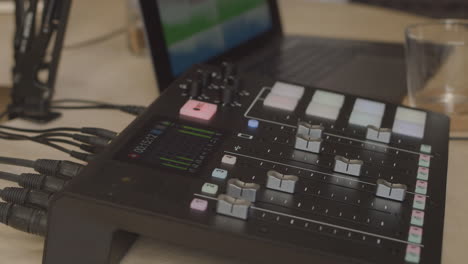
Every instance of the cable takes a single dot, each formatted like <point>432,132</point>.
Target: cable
<point>101,132</point>
<point>458,138</point>
<point>26,197</point>
<point>63,168</point>
<point>9,176</point>
<point>26,219</point>
<point>130,109</point>
<point>35,181</point>
<point>17,162</point>
<point>76,154</point>
<point>97,40</point>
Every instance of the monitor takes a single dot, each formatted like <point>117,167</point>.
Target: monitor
<point>182,33</point>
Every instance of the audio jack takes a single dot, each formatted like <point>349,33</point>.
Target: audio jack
<point>23,218</point>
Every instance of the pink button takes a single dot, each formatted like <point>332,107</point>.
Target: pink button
<point>413,249</point>
<point>416,231</point>
<point>199,204</point>
<point>425,157</point>
<point>419,202</point>
<point>421,184</point>
<point>198,109</point>
<point>423,170</point>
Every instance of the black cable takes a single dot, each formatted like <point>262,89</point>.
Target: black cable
<point>47,166</point>
<point>97,40</point>
<point>56,129</point>
<point>78,155</point>
<point>24,218</point>
<point>458,138</point>
<point>26,197</point>
<point>101,132</point>
<point>9,176</point>
<point>17,162</point>
<point>130,109</point>
<point>65,141</point>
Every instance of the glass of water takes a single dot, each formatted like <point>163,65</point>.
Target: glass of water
<point>437,66</point>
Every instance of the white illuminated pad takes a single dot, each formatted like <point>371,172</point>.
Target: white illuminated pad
<point>364,119</point>
<point>409,122</point>
<point>411,115</point>
<point>370,107</point>
<point>323,111</point>
<point>328,98</point>
<point>289,90</point>
<point>280,102</point>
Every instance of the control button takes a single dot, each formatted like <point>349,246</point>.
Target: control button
<point>231,206</point>
<point>229,160</point>
<point>415,235</point>
<point>323,111</point>
<point>390,191</point>
<point>219,173</point>
<point>410,115</point>
<point>307,143</point>
<point>228,69</point>
<point>228,95</point>
<point>419,202</point>
<point>210,188</point>
<point>239,189</point>
<point>423,173</point>
<point>195,88</point>
<point>198,109</point>
<point>253,123</point>
<point>409,122</point>
<point>421,187</point>
<point>280,102</point>
<point>426,149</point>
<point>417,218</point>
<point>379,134</point>
<point>365,119</point>
<point>206,78</point>
<point>246,136</point>
<point>288,90</point>
<point>424,160</point>
<point>305,128</point>
<point>370,107</point>
<point>328,98</point>
<point>281,182</point>
<point>199,204</point>
<point>413,254</point>
<point>347,166</point>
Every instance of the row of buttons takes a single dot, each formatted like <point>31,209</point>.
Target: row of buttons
<point>413,252</point>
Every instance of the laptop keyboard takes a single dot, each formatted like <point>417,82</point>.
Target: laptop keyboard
<point>302,61</point>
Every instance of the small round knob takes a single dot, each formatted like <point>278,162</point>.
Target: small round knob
<point>228,69</point>
<point>195,88</point>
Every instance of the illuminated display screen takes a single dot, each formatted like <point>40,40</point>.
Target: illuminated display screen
<point>197,30</point>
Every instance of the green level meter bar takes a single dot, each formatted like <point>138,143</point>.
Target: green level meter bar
<point>194,134</point>
<point>175,161</point>
<point>184,158</point>
<point>174,166</point>
<point>199,130</point>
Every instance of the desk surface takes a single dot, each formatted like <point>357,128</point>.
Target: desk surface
<point>106,71</point>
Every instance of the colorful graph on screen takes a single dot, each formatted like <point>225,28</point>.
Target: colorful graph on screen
<point>196,30</point>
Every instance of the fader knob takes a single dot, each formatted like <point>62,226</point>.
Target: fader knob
<point>195,88</point>
<point>205,77</point>
<point>228,94</point>
<point>228,69</point>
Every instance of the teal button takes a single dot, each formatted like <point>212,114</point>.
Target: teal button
<point>412,254</point>
<point>219,173</point>
<point>424,161</point>
<point>426,149</point>
<point>419,202</point>
<point>417,218</point>
<point>423,173</point>
<point>415,235</point>
<point>210,188</point>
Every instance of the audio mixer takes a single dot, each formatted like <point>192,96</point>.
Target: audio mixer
<point>262,171</point>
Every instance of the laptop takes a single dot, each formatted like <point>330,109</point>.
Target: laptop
<point>249,33</point>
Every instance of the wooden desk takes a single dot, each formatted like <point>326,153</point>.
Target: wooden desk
<point>106,71</point>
